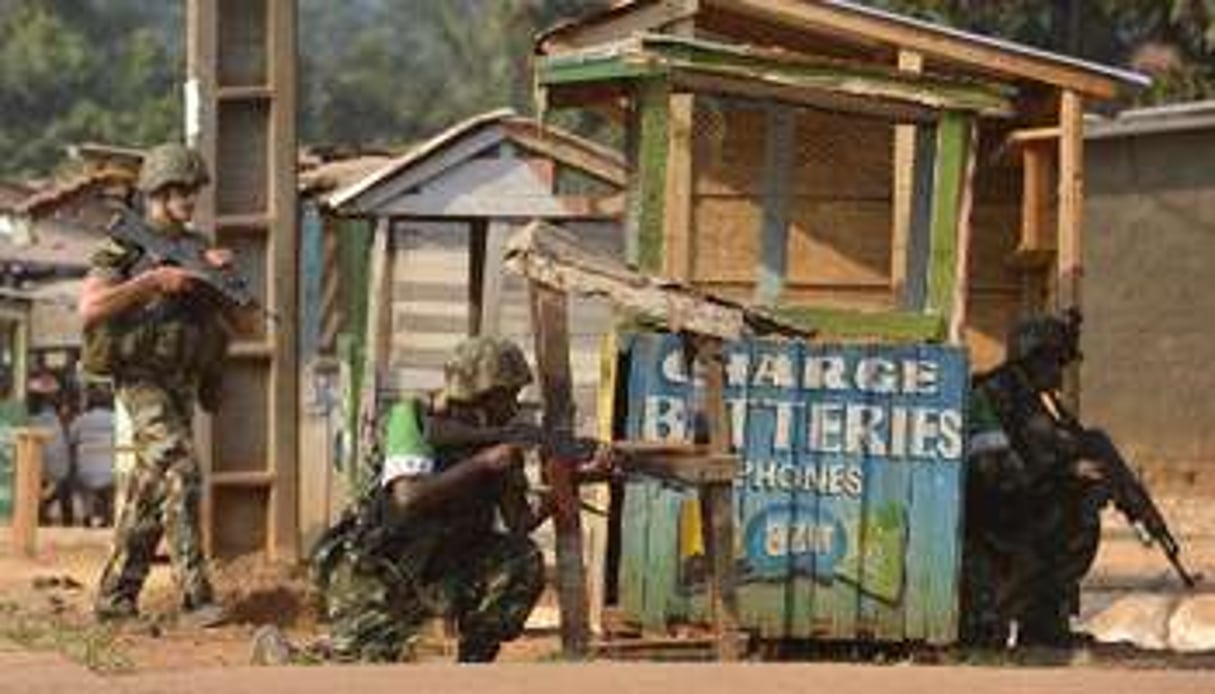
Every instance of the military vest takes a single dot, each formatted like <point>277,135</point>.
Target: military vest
<point>178,337</point>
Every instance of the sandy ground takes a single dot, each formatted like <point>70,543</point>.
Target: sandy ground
<point>48,641</point>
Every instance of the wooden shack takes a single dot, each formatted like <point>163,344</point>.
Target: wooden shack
<point>406,261</point>
<point>877,179</point>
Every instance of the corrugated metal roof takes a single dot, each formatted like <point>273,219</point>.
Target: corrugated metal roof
<point>512,125</point>
<point>1197,115</point>
<point>1127,76</point>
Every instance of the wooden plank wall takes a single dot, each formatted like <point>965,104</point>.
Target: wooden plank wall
<point>996,291</point>
<point>838,209</point>
<point>840,215</point>
<point>430,301</point>
<point>432,273</point>
<point>241,114</point>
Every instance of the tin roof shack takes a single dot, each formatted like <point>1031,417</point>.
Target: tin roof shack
<point>429,273</point>
<point>47,235</point>
<point>1146,374</point>
<point>877,175</point>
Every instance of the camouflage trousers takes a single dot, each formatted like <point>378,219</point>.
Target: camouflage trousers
<point>162,495</point>
<point>488,587</point>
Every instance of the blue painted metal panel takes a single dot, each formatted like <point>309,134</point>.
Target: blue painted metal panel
<point>848,499</point>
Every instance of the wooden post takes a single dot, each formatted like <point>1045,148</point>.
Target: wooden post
<point>717,506</point>
<point>379,301</point>
<point>550,324</point>
<point>1071,200</point>
<point>961,281</point>
<point>904,184</point>
<point>27,492</point>
<point>677,222</point>
<point>1071,222</point>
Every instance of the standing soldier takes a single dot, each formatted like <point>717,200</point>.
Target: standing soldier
<point>424,544</point>
<point>149,329</point>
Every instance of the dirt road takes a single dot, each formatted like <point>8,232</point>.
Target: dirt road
<point>605,679</point>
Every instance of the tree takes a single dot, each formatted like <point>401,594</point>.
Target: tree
<point>401,70</point>
<point>79,70</point>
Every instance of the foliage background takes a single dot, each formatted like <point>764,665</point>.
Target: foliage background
<point>388,72</point>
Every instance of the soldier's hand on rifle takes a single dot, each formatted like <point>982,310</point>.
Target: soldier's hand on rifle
<point>219,257</point>
<point>499,458</point>
<point>169,279</point>
<point>603,462</point>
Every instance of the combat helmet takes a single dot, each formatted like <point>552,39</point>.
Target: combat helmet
<point>1058,335</point>
<point>481,364</point>
<point>170,164</point>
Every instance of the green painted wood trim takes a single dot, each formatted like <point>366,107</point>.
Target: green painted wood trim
<point>893,325</point>
<point>953,134</point>
<point>661,54</point>
<point>679,52</point>
<point>580,69</point>
<point>354,249</point>
<point>647,191</point>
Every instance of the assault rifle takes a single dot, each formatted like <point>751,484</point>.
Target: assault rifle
<point>444,431</point>
<point>187,252</point>
<point>1126,490</point>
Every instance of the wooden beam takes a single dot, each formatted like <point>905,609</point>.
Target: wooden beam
<point>965,229</point>
<point>914,294</point>
<point>1037,170</point>
<point>379,303</point>
<point>779,150</point>
<point>680,241</point>
<point>589,158</point>
<point>1071,200</point>
<point>932,44</point>
<point>717,505</point>
<point>27,488</point>
<point>904,185</point>
<point>552,256</point>
<point>618,23</point>
<point>658,56</point>
<point>1026,136</point>
<point>550,321</point>
<point>491,284</point>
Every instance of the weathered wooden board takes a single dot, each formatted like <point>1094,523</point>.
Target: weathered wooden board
<point>847,507</point>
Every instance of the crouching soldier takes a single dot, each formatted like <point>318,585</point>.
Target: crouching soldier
<point>425,543</point>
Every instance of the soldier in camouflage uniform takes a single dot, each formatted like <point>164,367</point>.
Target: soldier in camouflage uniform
<point>1032,502</point>
<point>424,543</point>
<point>163,346</point>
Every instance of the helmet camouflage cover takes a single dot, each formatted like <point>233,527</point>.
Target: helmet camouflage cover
<point>481,364</point>
<point>172,164</point>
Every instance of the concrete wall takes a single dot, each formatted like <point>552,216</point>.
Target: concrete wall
<point>1149,296</point>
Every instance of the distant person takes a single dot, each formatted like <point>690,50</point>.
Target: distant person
<point>92,434</point>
